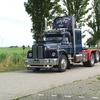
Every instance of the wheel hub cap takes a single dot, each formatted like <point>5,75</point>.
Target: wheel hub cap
<point>63,64</point>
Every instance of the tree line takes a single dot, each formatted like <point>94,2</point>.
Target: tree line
<point>85,15</point>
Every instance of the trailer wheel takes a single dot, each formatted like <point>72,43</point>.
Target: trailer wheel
<point>63,63</point>
<point>97,56</point>
<point>91,62</point>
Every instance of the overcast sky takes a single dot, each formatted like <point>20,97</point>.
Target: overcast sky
<point>15,24</point>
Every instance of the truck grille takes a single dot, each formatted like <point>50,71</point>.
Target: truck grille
<point>34,52</point>
<point>37,52</point>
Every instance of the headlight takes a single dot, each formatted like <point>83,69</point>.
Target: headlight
<point>53,54</point>
<point>30,54</point>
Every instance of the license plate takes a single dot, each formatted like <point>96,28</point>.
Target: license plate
<point>36,61</point>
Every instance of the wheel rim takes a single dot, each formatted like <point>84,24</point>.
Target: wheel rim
<point>92,59</point>
<point>63,64</point>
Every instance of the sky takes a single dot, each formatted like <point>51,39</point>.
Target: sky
<point>15,24</point>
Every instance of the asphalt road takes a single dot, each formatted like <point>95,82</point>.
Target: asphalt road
<point>21,83</point>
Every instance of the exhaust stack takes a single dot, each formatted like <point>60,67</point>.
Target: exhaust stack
<point>45,24</point>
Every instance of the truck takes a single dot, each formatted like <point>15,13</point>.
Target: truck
<point>60,47</point>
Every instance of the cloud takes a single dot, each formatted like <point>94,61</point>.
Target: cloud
<point>15,24</point>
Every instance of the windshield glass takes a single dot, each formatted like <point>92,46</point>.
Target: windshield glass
<point>53,38</point>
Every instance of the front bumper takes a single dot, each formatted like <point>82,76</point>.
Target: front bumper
<point>40,63</point>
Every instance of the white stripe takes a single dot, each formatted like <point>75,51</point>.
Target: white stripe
<point>67,96</point>
<point>40,95</point>
<point>95,98</point>
<point>81,97</point>
<point>54,95</point>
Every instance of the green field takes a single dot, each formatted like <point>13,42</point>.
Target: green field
<point>12,58</point>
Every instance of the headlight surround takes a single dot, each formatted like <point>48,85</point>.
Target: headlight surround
<point>30,54</point>
<point>53,54</point>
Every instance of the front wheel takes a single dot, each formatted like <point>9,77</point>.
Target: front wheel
<point>63,63</point>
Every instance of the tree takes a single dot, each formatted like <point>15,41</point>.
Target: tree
<point>94,23</point>
<point>91,42</point>
<point>38,10</point>
<point>83,36</point>
<point>77,8</point>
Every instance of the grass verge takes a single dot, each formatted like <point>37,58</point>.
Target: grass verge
<point>12,59</point>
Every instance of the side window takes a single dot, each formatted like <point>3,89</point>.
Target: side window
<point>66,38</point>
<point>67,35</point>
<point>79,36</point>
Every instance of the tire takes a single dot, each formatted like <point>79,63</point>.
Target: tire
<point>97,57</point>
<point>91,62</point>
<point>63,64</point>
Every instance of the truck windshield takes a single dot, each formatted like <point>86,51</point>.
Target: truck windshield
<point>53,38</point>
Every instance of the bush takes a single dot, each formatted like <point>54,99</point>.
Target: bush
<point>2,57</point>
<point>17,59</point>
<point>10,62</point>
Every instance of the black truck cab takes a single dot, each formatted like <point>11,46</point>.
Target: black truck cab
<point>56,48</point>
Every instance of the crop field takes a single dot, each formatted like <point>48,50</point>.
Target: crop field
<point>12,58</point>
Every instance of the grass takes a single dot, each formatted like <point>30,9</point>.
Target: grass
<point>12,59</point>
<point>98,78</point>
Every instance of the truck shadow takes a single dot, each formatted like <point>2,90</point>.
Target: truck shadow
<point>77,66</point>
<point>54,70</point>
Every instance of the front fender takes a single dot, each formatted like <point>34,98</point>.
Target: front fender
<point>63,52</point>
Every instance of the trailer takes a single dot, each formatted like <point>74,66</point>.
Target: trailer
<point>60,47</point>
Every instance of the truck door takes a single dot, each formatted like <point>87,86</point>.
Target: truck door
<point>78,41</point>
<point>68,43</point>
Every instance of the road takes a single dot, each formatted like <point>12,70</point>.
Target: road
<point>21,83</point>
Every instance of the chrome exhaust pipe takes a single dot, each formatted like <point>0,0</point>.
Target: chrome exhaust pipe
<point>45,24</point>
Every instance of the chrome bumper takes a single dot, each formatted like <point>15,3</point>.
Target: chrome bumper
<point>40,63</point>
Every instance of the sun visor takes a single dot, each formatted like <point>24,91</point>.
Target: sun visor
<point>63,22</point>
